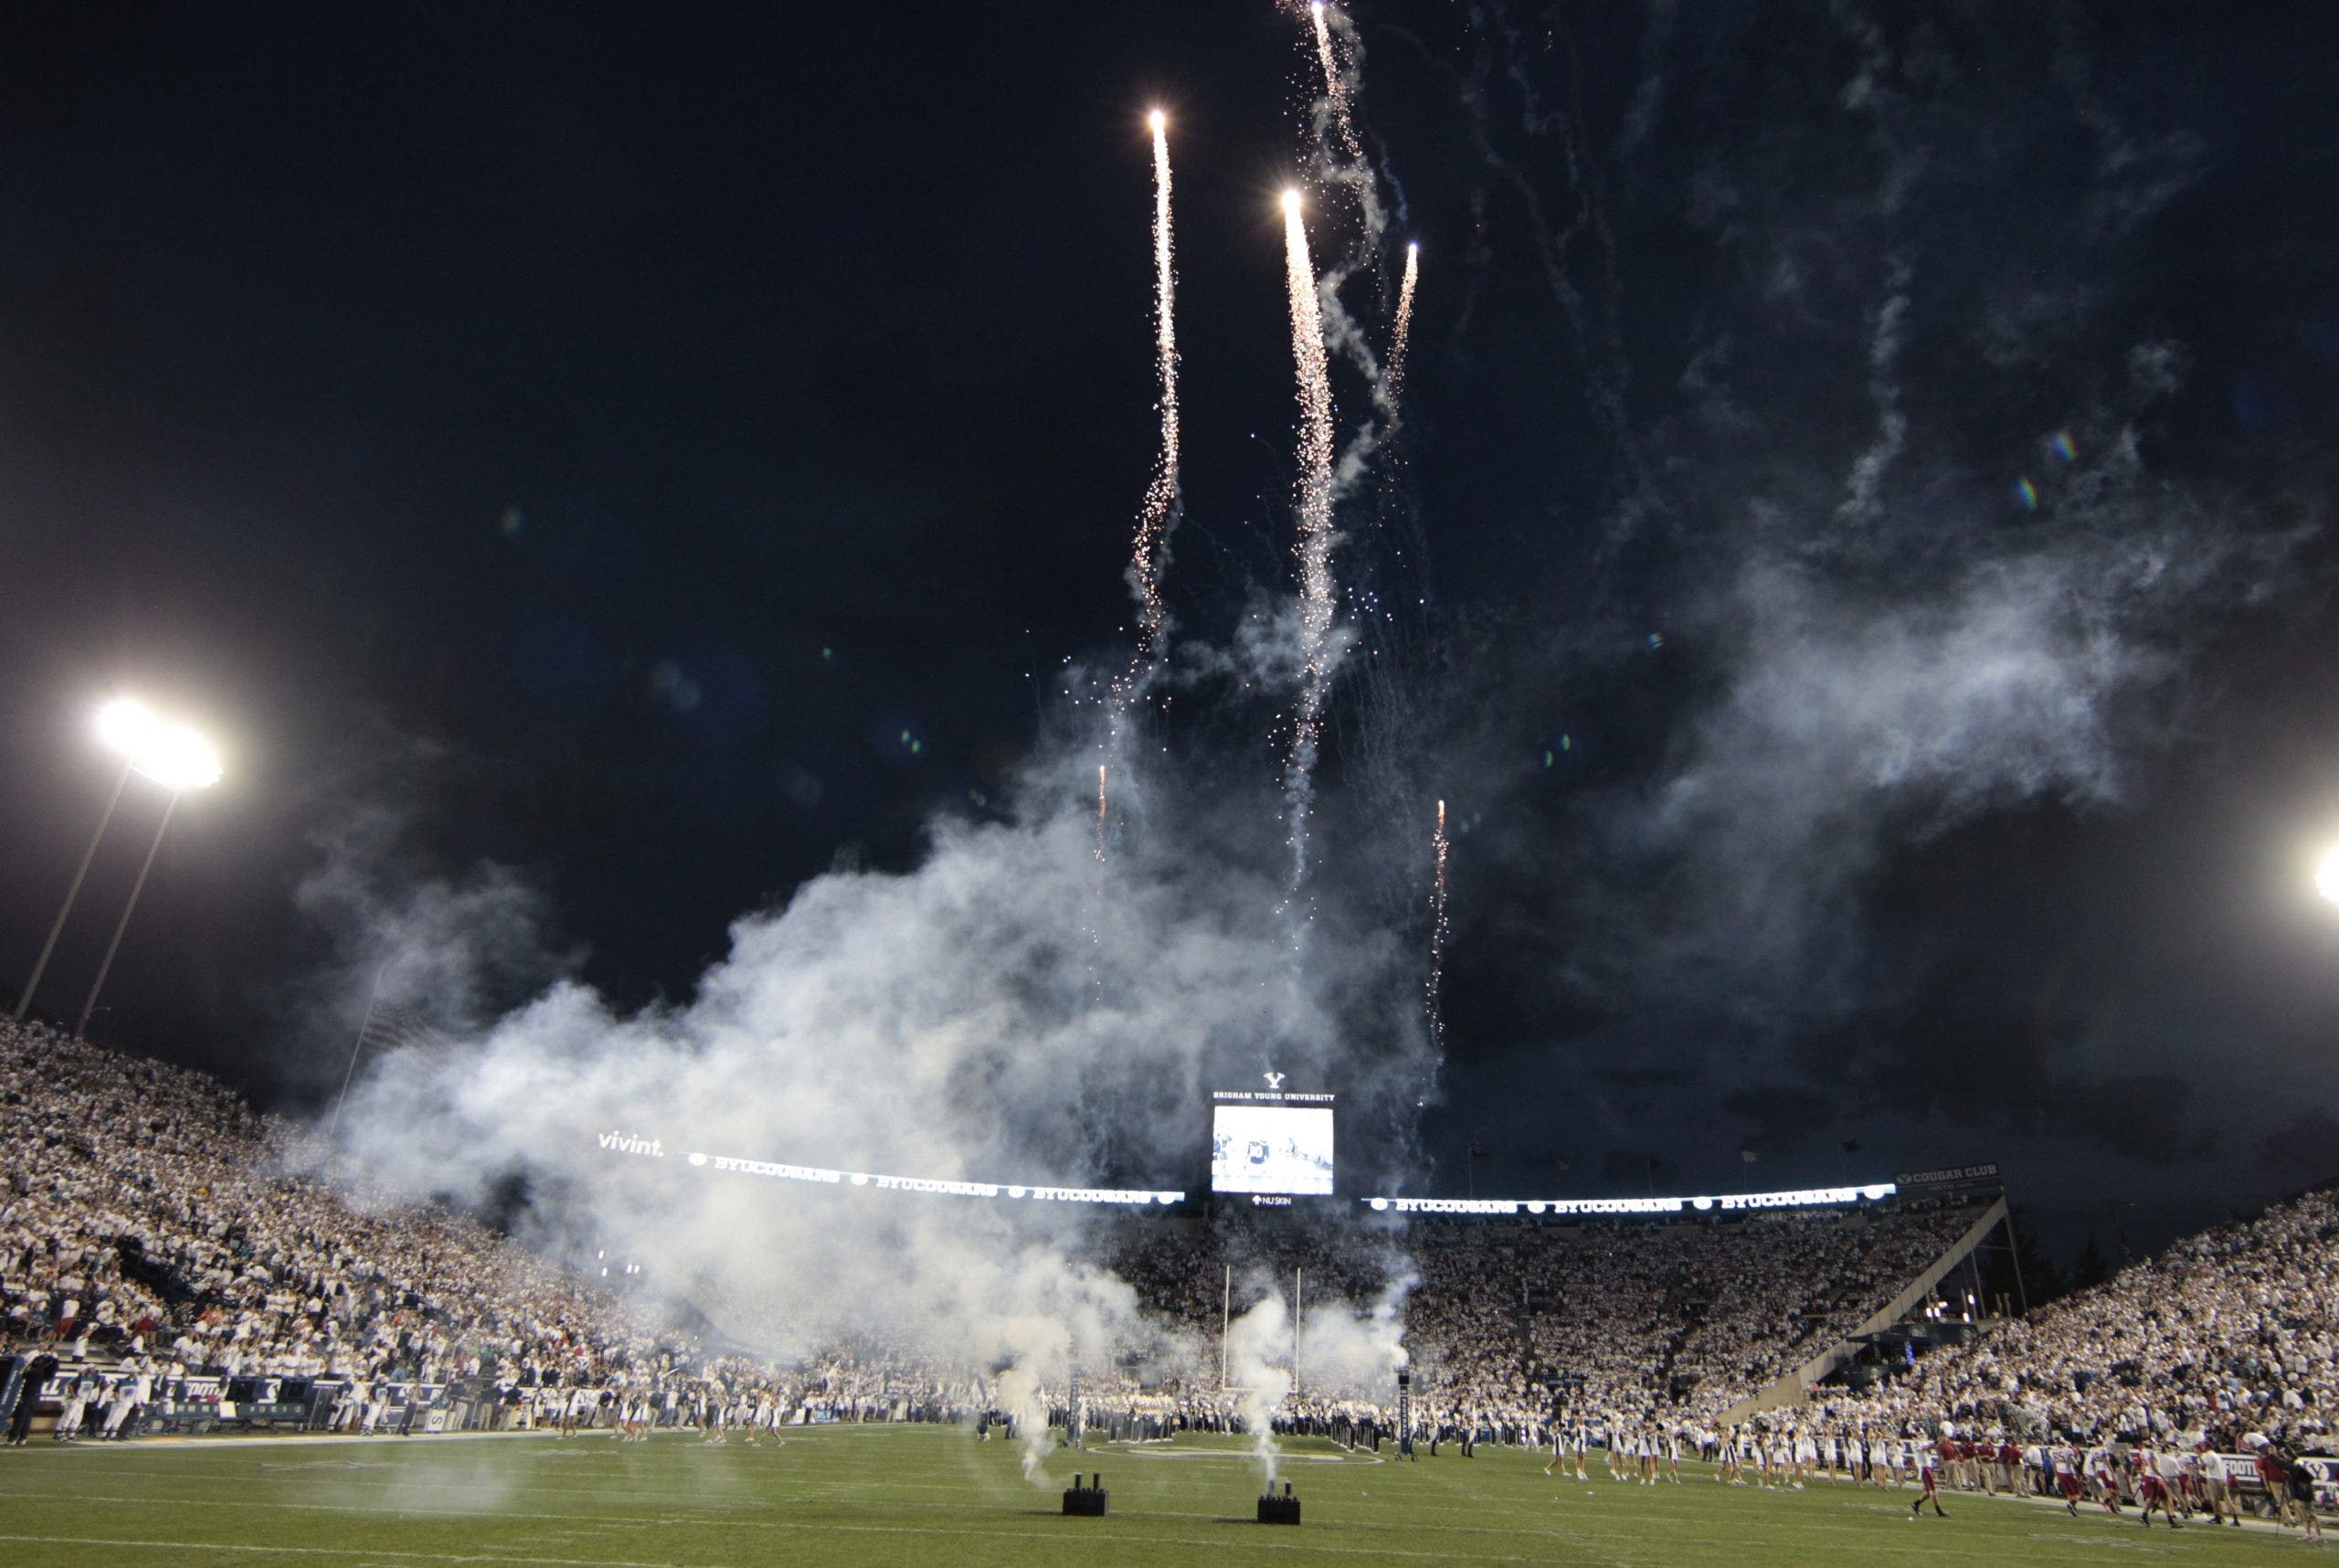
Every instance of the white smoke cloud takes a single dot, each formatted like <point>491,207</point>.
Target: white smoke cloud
<point>1258,1366</point>
<point>1332,1351</point>
<point>441,951</point>
<point>1876,693</point>
<point>1012,1009</point>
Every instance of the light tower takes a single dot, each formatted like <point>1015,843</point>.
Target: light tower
<point>173,756</point>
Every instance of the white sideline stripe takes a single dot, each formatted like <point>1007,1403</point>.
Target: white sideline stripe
<point>167,1445</point>
<point>1545,1533</point>
<point>1246,1456</point>
<point>335,1551</point>
<point>957,1533</point>
<point>224,1444</point>
<point>953,1532</point>
<point>388,1510</point>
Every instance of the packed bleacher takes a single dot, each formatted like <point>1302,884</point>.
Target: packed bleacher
<point>148,1221</point>
<point>2231,1332</point>
<point>161,1254</point>
<point>1507,1321</point>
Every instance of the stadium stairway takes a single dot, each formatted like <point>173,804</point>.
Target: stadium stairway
<point>1791,1388</point>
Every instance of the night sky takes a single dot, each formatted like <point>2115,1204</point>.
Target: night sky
<point>1857,560</point>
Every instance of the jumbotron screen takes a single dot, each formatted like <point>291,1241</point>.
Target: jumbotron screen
<point>1271,1142</point>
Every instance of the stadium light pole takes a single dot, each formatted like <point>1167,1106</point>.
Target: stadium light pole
<point>357,1045</point>
<point>127,727</point>
<point>57,926</point>
<point>178,760</point>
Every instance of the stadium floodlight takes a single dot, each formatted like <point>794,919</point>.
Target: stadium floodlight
<point>126,726</point>
<point>177,759</point>
<point>2326,875</point>
<point>174,757</point>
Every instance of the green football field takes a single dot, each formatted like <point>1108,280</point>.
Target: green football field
<point>840,1496</point>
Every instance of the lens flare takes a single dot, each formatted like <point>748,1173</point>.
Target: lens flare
<point>2326,875</point>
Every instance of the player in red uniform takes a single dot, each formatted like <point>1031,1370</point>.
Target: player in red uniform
<point>2068,1480</point>
<point>1927,1487</point>
<point>2152,1489</point>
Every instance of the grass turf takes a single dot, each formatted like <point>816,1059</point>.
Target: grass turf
<point>843,1496</point>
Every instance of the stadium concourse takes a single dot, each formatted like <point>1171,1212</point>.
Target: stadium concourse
<point>162,1271</point>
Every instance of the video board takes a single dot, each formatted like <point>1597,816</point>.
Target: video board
<point>1271,1142</point>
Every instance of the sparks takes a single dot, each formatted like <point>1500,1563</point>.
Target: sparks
<point>1317,595</point>
<point>1336,83</point>
<point>1158,515</point>
<point>1392,380</point>
<point>1437,931</point>
<point>1100,810</point>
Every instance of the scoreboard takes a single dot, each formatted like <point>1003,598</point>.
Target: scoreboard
<point>1271,1142</point>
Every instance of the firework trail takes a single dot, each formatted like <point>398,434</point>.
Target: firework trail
<point>1149,553</point>
<point>1158,514</point>
<point>1316,593</point>
<point>1335,84</point>
<point>1438,930</point>
<point>1393,375</point>
<point>1100,810</point>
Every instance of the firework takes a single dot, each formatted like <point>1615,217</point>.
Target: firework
<point>1160,511</point>
<point>1317,594</point>
<point>1438,930</point>
<point>1100,810</point>
<point>1336,83</point>
<point>1393,379</point>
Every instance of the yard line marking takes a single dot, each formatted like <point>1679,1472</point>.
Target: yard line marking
<point>337,1552</point>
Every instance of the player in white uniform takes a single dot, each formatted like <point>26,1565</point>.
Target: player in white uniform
<point>76,1406</point>
<point>130,1397</point>
<point>2216,1494</point>
<point>2160,1480</point>
<point>2104,1469</point>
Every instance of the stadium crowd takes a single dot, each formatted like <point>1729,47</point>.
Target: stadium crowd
<point>146,1215</point>
<point>154,1233</point>
<point>2231,1332</point>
